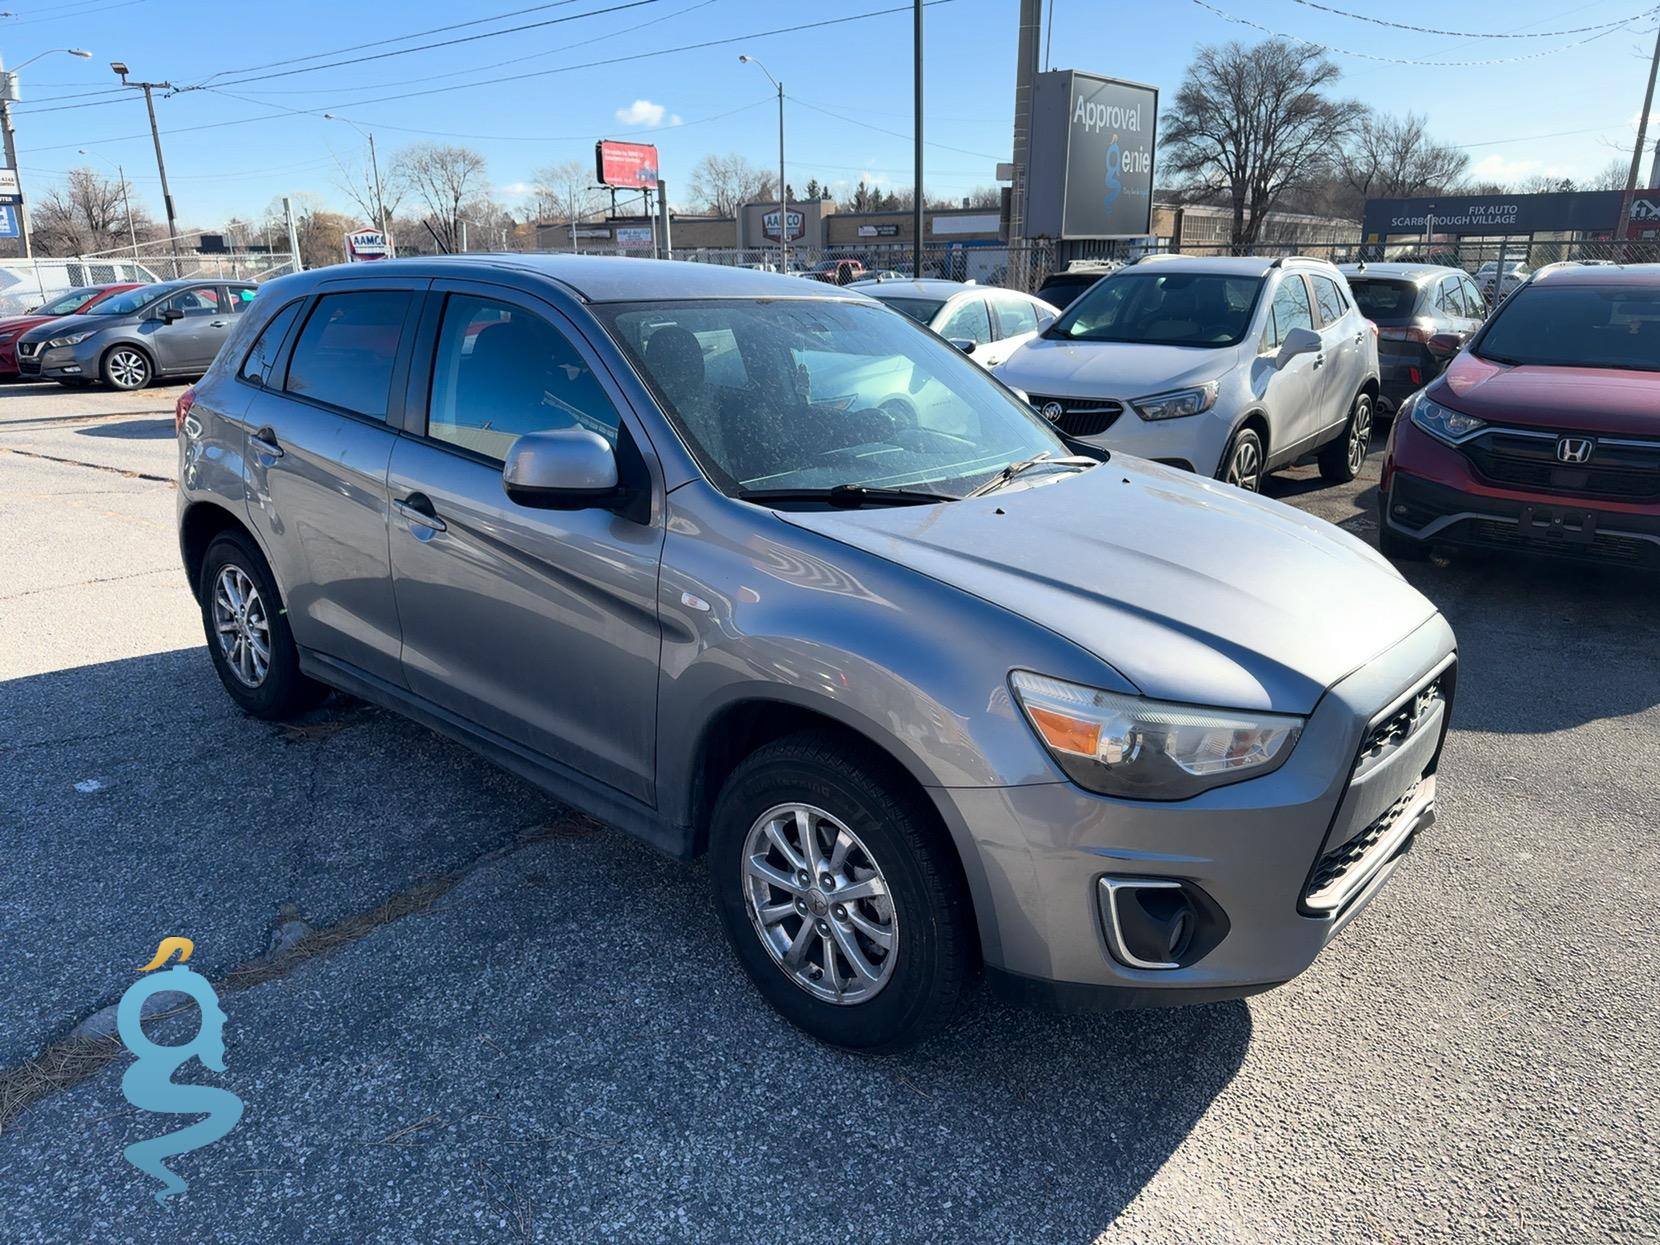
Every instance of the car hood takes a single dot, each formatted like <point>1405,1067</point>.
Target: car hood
<point>17,324</point>
<point>1192,590</point>
<point>1046,365</point>
<point>67,324</point>
<point>1592,399</point>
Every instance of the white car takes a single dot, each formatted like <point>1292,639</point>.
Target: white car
<point>1492,289</point>
<point>1228,367</point>
<point>987,323</point>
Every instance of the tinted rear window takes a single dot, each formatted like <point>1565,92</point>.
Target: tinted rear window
<point>922,310</point>
<point>345,352</point>
<point>1385,302</point>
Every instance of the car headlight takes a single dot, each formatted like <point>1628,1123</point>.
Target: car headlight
<point>1177,402</point>
<point>1443,424</point>
<point>1142,749</point>
<point>70,339</point>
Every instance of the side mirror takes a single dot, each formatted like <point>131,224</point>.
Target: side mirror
<point>1299,341</point>
<point>1444,345</point>
<point>565,469</point>
<point>170,315</point>
<point>963,344</point>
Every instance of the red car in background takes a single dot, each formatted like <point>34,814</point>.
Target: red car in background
<point>1543,434</point>
<point>70,304</point>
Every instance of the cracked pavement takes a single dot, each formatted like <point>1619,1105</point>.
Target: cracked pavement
<point>560,1048</point>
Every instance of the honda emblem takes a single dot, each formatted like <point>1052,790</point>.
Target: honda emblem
<point>1574,449</point>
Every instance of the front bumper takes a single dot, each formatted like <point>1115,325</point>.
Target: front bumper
<point>1254,848</point>
<point>1193,442</point>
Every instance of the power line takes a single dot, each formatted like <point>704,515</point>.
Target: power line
<point>961,151</point>
<point>1397,60</point>
<point>1475,34</point>
<point>539,73</point>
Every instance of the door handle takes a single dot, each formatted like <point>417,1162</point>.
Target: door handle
<point>265,441</point>
<point>1319,360</point>
<point>216,324</point>
<point>418,510</point>
<point>1360,337</point>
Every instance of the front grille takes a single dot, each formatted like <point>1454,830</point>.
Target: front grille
<point>1079,417</point>
<point>1400,725</point>
<point>1325,887</point>
<point>1602,547</point>
<point>1617,468</point>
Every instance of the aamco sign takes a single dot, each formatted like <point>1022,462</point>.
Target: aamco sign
<point>367,244</point>
<point>795,221</point>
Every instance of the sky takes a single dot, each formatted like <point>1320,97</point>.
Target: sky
<point>265,73</point>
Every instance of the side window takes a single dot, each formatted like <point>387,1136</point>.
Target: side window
<point>502,371</point>
<point>1330,299</point>
<point>238,298</point>
<point>1015,316</point>
<point>968,322</point>
<point>345,352</point>
<point>256,368</point>
<point>1290,310</point>
<point>1474,304</point>
<point>193,302</point>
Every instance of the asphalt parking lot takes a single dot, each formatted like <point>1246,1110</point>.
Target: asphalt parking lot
<point>498,1021</point>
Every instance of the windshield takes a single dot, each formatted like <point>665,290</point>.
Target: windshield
<point>815,393</point>
<point>922,310</point>
<point>1576,326</point>
<point>1167,309</point>
<point>66,304</point>
<point>1386,302</point>
<point>127,302</point>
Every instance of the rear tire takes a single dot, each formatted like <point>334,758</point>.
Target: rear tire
<point>1342,459</point>
<point>247,632</point>
<point>909,923</point>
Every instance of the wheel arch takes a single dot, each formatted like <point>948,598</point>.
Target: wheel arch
<point>199,525</point>
<point>1256,419</point>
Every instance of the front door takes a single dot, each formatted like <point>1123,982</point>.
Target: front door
<point>1294,391</point>
<point>189,342</point>
<point>1344,333</point>
<point>317,453</point>
<point>539,625</point>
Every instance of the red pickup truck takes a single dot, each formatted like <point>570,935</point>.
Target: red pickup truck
<point>836,271</point>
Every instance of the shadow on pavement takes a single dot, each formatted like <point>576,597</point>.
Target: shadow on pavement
<point>133,430</point>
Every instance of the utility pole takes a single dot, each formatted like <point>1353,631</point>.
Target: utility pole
<point>161,162</point>
<point>126,200</point>
<point>1025,83</point>
<point>11,163</point>
<point>1642,142</point>
<point>293,235</point>
<point>916,215</point>
<point>783,186</point>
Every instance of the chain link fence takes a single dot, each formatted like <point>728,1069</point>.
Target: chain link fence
<point>28,283</point>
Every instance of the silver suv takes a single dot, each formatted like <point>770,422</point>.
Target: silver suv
<point>1228,367</point>
<point>757,569</point>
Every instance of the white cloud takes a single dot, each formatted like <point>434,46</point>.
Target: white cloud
<point>516,188</point>
<point>1497,168</point>
<point>644,112</point>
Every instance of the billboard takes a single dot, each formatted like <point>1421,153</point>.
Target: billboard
<point>635,237</point>
<point>367,244</point>
<point>626,166</point>
<point>1570,211</point>
<point>1091,160</point>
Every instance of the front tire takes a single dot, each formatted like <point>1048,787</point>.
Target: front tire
<point>1242,461</point>
<point>840,896</point>
<point>1342,459</point>
<point>126,367</point>
<point>247,632</point>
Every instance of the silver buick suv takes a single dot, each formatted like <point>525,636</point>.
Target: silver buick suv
<point>759,570</point>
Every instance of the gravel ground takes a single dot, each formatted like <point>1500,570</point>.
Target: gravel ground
<point>560,1048</point>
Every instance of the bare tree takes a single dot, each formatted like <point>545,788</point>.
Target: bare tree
<point>1395,158</point>
<point>356,179</point>
<point>565,193</point>
<point>87,213</point>
<point>1253,122</point>
<point>721,185</point>
<point>442,178</point>
<point>321,233</point>
<point>1611,177</point>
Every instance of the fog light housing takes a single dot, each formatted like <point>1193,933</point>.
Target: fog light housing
<point>1158,923</point>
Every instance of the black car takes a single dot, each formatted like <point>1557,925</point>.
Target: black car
<point>1424,315</point>
<point>1060,288</point>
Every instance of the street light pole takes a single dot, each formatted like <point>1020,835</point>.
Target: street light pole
<point>916,220</point>
<point>126,201</point>
<point>7,90</point>
<point>1642,142</point>
<point>161,162</point>
<point>783,186</point>
<point>374,165</point>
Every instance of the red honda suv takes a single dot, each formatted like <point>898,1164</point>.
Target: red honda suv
<point>1544,433</point>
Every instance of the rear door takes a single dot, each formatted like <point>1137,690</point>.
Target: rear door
<point>539,625</point>
<point>319,443</point>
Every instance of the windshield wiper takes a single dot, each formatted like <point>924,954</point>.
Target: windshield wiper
<point>1026,464</point>
<point>845,496</point>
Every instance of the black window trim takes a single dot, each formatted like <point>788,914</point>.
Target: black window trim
<point>400,361</point>
<point>280,359</point>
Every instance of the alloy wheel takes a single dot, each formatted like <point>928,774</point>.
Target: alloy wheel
<point>128,369</point>
<point>1245,465</point>
<point>819,903</point>
<point>241,626</point>
<point>1360,433</point>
